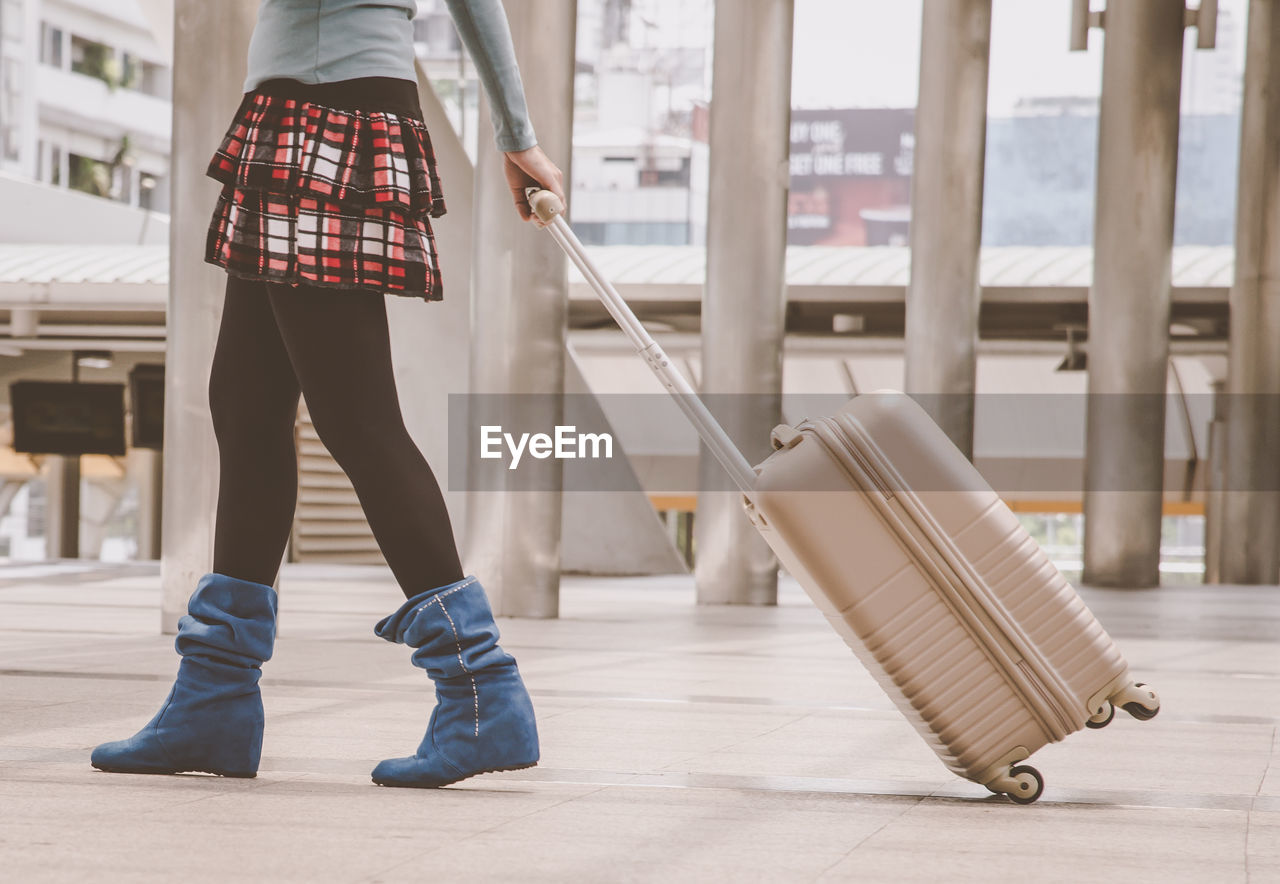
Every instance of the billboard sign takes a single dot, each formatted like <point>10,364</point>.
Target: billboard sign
<point>852,143</point>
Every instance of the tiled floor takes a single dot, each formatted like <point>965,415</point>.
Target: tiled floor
<point>679,743</point>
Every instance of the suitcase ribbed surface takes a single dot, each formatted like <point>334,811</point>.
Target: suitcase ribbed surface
<point>906,620</point>
<point>1019,573</point>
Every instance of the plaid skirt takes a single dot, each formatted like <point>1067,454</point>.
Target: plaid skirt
<point>330,185</point>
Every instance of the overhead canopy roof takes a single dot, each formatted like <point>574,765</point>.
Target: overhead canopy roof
<point>116,274</point>
<point>121,276</point>
<point>671,271</point>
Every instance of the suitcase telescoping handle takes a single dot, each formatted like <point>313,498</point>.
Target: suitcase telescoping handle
<point>549,210</point>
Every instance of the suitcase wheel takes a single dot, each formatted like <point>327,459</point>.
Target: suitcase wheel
<point>1023,784</point>
<point>1139,700</point>
<point>1103,717</point>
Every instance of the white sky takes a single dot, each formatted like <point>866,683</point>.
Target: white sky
<point>866,53</point>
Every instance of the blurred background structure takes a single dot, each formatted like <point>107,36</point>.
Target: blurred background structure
<point>937,232</point>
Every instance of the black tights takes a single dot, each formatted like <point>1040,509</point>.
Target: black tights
<point>333,347</point>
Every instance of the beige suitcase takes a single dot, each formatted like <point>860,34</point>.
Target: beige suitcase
<point>921,568</point>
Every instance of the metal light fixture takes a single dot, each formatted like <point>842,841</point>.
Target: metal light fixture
<point>93,358</point>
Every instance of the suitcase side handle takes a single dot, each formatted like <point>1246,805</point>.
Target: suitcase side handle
<point>548,209</point>
<point>784,436</point>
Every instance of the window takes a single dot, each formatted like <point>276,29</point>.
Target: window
<point>10,107</point>
<point>48,162</point>
<point>95,60</point>
<point>50,45</point>
<point>89,175</point>
<point>673,172</point>
<point>155,79</point>
<point>130,72</point>
<point>122,184</point>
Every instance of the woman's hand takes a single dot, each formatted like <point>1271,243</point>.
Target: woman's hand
<point>531,167</point>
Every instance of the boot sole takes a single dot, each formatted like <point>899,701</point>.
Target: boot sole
<point>458,780</point>
<point>167,770</point>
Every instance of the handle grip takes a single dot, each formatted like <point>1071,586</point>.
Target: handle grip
<point>545,204</point>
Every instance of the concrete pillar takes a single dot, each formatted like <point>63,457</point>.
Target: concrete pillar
<point>744,304</point>
<point>62,507</point>
<point>146,469</point>
<point>211,42</point>
<point>1251,498</point>
<point>100,500</point>
<point>1214,494</point>
<point>520,319</point>
<point>943,295</point>
<point>1130,297</point>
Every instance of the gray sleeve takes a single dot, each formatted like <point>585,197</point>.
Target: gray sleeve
<point>483,27</point>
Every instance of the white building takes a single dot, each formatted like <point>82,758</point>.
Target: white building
<point>84,104</point>
<point>84,98</point>
<point>643,65</point>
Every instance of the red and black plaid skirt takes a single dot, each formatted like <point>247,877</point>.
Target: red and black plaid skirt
<point>330,185</point>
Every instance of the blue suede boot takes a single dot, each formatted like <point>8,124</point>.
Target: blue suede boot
<point>483,718</point>
<point>212,719</point>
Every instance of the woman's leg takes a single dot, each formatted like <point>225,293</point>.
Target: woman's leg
<point>212,719</point>
<point>253,397</point>
<point>340,350</point>
<point>483,720</point>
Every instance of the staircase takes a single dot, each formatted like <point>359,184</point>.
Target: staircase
<point>329,524</point>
